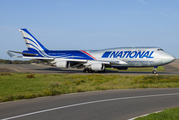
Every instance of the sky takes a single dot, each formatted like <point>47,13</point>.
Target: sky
<point>90,24</point>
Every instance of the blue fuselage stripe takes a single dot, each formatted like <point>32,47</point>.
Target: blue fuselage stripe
<point>74,54</point>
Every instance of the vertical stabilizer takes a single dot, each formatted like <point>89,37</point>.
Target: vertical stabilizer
<point>32,43</point>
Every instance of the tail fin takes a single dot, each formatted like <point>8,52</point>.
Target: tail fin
<point>32,43</point>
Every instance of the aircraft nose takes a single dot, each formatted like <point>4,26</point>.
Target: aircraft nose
<point>168,59</point>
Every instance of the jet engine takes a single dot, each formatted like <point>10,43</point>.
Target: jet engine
<point>62,64</point>
<point>97,67</point>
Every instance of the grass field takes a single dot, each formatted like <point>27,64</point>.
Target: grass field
<point>15,86</point>
<point>141,69</point>
<point>167,114</point>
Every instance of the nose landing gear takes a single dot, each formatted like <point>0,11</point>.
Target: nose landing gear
<point>154,70</point>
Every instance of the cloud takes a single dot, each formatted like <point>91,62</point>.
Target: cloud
<point>142,1</point>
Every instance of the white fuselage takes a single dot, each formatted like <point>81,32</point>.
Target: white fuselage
<point>135,56</point>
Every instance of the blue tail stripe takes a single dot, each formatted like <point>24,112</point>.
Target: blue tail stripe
<point>30,40</point>
<point>31,49</point>
<point>33,46</point>
<point>40,52</point>
<point>25,30</point>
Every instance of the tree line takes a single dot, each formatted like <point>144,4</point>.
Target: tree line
<point>19,61</point>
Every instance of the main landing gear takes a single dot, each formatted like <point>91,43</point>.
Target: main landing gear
<point>87,70</point>
<point>154,70</point>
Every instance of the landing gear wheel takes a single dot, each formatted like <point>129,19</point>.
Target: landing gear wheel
<point>85,70</point>
<point>89,71</point>
<point>154,71</point>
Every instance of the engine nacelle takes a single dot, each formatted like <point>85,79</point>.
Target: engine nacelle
<point>97,67</point>
<point>62,64</point>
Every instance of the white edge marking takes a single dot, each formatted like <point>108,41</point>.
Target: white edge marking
<point>85,103</point>
<point>144,115</point>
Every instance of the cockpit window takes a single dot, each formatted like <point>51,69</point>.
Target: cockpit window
<point>159,49</point>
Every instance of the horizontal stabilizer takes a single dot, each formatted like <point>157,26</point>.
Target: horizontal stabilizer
<point>12,55</point>
<point>30,54</point>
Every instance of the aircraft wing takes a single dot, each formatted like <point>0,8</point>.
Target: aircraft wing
<point>119,62</point>
<point>72,60</point>
<point>55,60</point>
<point>90,61</point>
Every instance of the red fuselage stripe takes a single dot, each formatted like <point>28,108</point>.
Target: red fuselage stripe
<point>88,54</point>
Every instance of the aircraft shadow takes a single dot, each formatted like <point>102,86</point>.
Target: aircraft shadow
<point>80,71</point>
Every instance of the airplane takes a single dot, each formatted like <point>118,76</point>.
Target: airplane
<point>94,60</point>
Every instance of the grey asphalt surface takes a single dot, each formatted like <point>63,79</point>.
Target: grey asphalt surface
<point>126,106</point>
<point>171,69</point>
<point>120,109</point>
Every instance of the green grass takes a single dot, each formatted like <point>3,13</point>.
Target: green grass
<point>141,69</point>
<point>15,86</point>
<point>167,114</point>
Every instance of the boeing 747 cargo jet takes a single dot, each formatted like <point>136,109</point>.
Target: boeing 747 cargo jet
<point>95,60</point>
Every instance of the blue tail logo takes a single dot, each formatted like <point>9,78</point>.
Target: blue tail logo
<point>32,43</point>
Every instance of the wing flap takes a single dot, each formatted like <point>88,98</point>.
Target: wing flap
<point>38,58</point>
<point>72,60</point>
